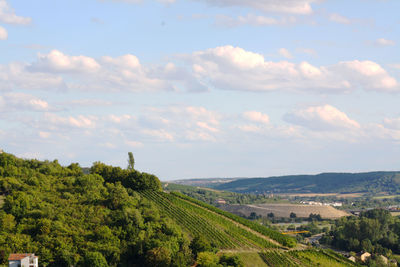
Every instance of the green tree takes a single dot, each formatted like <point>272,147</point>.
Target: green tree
<point>158,256</point>
<point>131,161</point>
<point>94,259</point>
<point>199,244</point>
<point>207,259</point>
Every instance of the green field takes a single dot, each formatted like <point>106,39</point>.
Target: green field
<point>222,231</point>
<point>386,197</point>
<point>310,257</point>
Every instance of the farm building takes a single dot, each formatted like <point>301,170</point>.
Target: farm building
<point>24,259</point>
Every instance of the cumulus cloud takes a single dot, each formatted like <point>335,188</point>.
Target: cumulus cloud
<point>339,18</point>
<point>392,123</point>
<point>3,34</point>
<point>80,121</point>
<point>301,7</point>
<point>256,116</point>
<point>182,123</point>
<point>57,70</point>
<point>225,67</point>
<point>16,76</point>
<point>253,20</point>
<point>384,42</point>
<point>285,53</point>
<point>7,15</point>
<point>56,61</point>
<point>12,102</point>
<point>321,118</point>
<point>233,68</point>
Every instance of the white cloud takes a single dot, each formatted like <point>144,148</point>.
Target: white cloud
<point>182,123</point>
<point>367,74</point>
<point>233,68</point>
<point>15,76</point>
<point>3,34</point>
<point>138,1</point>
<point>301,7</point>
<point>339,18</point>
<point>56,70</point>
<point>308,51</point>
<point>56,61</point>
<point>7,15</point>
<point>384,42</point>
<point>80,121</point>
<point>392,123</point>
<point>225,67</point>
<point>285,53</point>
<point>256,116</point>
<point>11,102</point>
<point>134,144</point>
<point>254,20</point>
<point>321,118</point>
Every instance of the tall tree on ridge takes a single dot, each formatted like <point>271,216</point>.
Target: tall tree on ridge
<point>131,161</point>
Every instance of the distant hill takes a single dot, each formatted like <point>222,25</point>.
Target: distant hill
<point>369,182</point>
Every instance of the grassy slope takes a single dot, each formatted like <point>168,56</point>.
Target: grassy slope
<point>371,182</point>
<point>222,231</point>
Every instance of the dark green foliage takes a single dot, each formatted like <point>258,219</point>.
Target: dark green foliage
<point>371,182</point>
<point>230,260</point>
<point>375,231</point>
<point>131,161</point>
<point>94,259</point>
<point>132,179</point>
<point>199,244</point>
<point>69,218</point>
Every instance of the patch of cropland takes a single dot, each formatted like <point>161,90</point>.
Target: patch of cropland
<point>225,230</point>
<point>204,182</point>
<point>370,182</point>
<point>311,258</point>
<point>284,210</point>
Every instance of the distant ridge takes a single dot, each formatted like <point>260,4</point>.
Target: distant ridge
<point>367,182</point>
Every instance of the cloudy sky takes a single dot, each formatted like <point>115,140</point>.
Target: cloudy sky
<point>203,88</point>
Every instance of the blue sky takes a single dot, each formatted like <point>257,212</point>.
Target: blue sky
<point>203,88</point>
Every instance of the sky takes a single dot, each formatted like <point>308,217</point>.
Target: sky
<point>203,88</point>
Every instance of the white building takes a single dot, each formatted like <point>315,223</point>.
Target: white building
<point>23,260</point>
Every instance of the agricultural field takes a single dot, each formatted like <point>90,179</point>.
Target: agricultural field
<point>284,210</point>
<point>225,232</point>
<point>307,258</point>
<point>337,195</point>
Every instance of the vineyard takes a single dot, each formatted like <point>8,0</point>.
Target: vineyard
<point>275,258</point>
<point>282,239</point>
<point>197,220</point>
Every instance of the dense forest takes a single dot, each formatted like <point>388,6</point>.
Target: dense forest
<point>72,219</point>
<point>369,183</point>
<point>374,231</point>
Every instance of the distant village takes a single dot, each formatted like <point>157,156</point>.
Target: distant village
<point>333,204</point>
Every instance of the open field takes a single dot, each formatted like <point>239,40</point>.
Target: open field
<point>352,195</point>
<point>284,210</point>
<point>251,259</point>
<point>1,200</point>
<point>386,197</point>
<point>395,213</point>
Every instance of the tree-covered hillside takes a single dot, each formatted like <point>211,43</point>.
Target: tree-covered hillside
<point>371,182</point>
<point>68,218</point>
<point>113,217</point>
